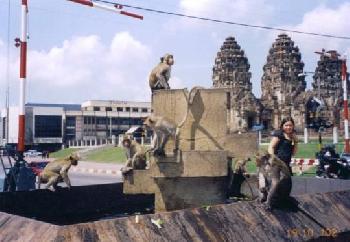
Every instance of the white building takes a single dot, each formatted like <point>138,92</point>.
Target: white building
<point>51,125</point>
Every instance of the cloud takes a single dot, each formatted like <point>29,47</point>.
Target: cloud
<point>84,68</point>
<point>176,83</point>
<point>326,20</point>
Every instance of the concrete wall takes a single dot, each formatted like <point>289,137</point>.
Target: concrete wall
<point>207,124</point>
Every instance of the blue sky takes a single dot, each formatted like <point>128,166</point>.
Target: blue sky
<point>77,53</point>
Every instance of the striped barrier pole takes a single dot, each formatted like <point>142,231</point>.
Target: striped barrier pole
<point>116,8</point>
<point>22,77</point>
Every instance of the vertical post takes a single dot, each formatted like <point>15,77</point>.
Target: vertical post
<point>346,114</point>
<point>22,76</point>
<point>306,135</point>
<point>335,135</point>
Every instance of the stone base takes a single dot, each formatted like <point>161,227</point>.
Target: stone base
<point>188,179</point>
<point>189,192</point>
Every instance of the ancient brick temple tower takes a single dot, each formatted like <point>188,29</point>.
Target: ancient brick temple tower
<point>281,82</point>
<point>327,84</point>
<point>231,68</point>
<point>231,71</point>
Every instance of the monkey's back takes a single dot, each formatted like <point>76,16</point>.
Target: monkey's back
<point>56,165</point>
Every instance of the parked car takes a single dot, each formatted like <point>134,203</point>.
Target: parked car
<point>32,153</point>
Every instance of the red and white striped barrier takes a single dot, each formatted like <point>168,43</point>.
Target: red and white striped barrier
<point>302,161</point>
<point>116,8</point>
<point>300,164</point>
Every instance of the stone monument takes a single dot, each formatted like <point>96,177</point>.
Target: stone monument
<point>198,173</point>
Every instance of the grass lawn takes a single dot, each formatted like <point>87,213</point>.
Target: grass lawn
<point>309,150</point>
<point>107,155</point>
<point>63,153</point>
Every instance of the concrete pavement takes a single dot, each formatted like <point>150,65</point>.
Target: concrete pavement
<point>91,167</point>
<point>97,168</point>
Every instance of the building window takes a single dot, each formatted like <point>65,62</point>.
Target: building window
<point>119,109</point>
<point>48,126</point>
<point>135,110</point>
<point>109,109</point>
<point>115,121</point>
<point>70,134</point>
<point>101,120</point>
<point>97,109</point>
<point>70,122</point>
<point>144,110</point>
<point>136,121</point>
<point>124,121</point>
<point>127,109</point>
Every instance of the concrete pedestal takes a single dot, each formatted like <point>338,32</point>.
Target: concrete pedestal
<point>188,179</point>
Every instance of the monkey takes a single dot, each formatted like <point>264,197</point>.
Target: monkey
<point>239,175</point>
<point>135,156</point>
<point>275,182</point>
<point>163,129</point>
<point>160,74</point>
<point>57,171</point>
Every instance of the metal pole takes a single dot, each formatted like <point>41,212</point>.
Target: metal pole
<point>22,76</point>
<point>346,113</point>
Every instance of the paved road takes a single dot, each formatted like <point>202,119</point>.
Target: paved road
<point>82,179</point>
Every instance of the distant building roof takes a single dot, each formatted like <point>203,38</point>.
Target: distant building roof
<point>68,107</point>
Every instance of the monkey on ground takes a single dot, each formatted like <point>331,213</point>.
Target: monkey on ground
<point>163,129</point>
<point>57,171</point>
<point>135,156</point>
<point>160,74</point>
<point>275,182</point>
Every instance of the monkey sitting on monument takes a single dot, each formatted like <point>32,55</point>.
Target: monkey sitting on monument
<point>275,182</point>
<point>57,171</point>
<point>135,156</point>
<point>162,129</point>
<point>160,74</point>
